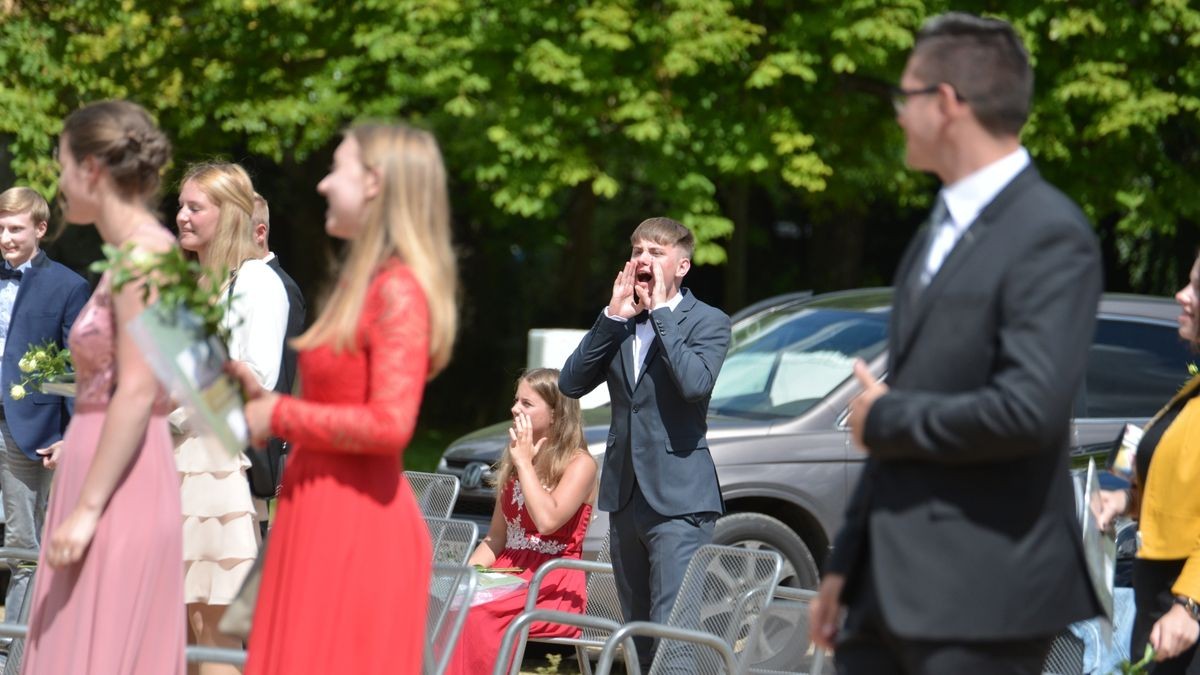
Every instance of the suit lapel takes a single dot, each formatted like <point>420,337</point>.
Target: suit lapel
<point>627,364</point>
<point>970,240</point>
<point>680,315</point>
<point>28,283</point>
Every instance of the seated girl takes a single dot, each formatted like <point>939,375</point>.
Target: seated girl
<point>546,481</point>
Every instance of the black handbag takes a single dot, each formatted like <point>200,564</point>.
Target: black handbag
<point>266,468</point>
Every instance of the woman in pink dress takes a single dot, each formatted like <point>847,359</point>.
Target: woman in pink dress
<point>346,577</point>
<point>109,578</point>
<point>548,482</point>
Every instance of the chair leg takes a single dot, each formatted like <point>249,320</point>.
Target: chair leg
<point>585,661</point>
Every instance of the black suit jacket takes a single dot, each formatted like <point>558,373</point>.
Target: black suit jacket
<point>659,419</point>
<point>49,298</point>
<point>297,311</point>
<point>964,514</point>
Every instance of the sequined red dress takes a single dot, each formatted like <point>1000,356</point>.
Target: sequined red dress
<point>562,590</point>
<point>346,577</point>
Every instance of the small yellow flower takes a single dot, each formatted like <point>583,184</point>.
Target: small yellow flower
<point>26,365</point>
<point>17,392</point>
<point>1192,369</point>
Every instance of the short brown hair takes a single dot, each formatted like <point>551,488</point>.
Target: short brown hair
<point>124,137</point>
<point>262,212</point>
<point>986,63</point>
<point>666,232</point>
<point>25,200</point>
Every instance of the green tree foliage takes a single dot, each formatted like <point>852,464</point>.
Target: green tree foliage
<point>565,123</point>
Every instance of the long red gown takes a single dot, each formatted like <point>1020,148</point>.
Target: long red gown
<point>562,590</point>
<point>346,578</point>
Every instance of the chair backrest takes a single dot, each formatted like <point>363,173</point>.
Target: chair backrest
<point>724,593</point>
<point>602,598</point>
<point>436,493</point>
<point>1065,656</point>
<point>453,540</point>
<point>451,588</point>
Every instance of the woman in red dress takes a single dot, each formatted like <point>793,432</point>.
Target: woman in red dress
<point>548,483</point>
<point>346,577</point>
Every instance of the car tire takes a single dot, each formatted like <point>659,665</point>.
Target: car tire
<point>784,643</point>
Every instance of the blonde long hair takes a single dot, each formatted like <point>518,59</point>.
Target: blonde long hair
<point>564,440</point>
<point>410,220</point>
<point>230,189</point>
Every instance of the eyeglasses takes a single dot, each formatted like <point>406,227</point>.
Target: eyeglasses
<point>900,95</point>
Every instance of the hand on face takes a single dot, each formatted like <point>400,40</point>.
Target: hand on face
<point>654,294</point>
<point>622,302</point>
<point>521,446</point>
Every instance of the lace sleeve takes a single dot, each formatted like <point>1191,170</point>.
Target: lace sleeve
<point>395,338</point>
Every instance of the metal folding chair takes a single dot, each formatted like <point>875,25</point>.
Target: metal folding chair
<point>716,617</point>
<point>436,493</point>
<point>453,540</point>
<point>14,558</point>
<point>1065,656</point>
<point>793,603</point>
<point>602,603</point>
<point>451,588</point>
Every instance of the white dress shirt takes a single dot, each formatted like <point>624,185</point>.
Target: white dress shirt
<point>257,320</point>
<point>964,199</point>
<point>643,333</point>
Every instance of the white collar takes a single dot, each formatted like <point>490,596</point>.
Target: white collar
<point>966,197</point>
<point>268,257</point>
<point>25,265</point>
<point>674,302</point>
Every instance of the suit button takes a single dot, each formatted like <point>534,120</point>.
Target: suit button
<point>635,409</point>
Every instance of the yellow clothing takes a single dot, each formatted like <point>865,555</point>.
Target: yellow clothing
<point>1170,501</point>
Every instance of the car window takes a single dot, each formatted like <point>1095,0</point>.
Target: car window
<point>783,363</point>
<point>1133,368</point>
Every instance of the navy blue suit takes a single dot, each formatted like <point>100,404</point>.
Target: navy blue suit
<point>48,299</point>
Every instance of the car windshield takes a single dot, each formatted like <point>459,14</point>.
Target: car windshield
<point>784,362</point>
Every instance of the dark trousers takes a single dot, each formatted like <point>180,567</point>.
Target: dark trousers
<point>650,553</point>
<point>1152,581</point>
<point>868,647</point>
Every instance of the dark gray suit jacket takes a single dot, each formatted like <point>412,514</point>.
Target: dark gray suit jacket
<point>658,420</point>
<point>965,513</point>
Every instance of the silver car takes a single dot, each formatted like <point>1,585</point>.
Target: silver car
<point>784,458</point>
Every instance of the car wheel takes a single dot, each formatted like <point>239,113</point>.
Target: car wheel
<point>784,643</point>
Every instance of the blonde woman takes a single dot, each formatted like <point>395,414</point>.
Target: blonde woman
<point>346,577</point>
<point>547,483</point>
<point>220,523</point>
<point>106,595</point>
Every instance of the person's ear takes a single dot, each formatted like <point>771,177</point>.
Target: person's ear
<point>39,230</point>
<point>685,264</point>
<point>372,183</point>
<point>260,235</point>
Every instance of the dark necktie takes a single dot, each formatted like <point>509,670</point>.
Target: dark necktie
<point>937,217</point>
<point>8,273</point>
<point>642,317</point>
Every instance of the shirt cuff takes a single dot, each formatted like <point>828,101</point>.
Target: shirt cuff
<point>619,319</point>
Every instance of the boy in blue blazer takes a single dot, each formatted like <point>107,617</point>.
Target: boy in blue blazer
<point>39,300</point>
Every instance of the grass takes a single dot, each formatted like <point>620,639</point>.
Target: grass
<point>426,447</point>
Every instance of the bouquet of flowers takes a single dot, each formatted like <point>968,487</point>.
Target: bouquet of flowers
<point>183,336</point>
<point>42,364</point>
